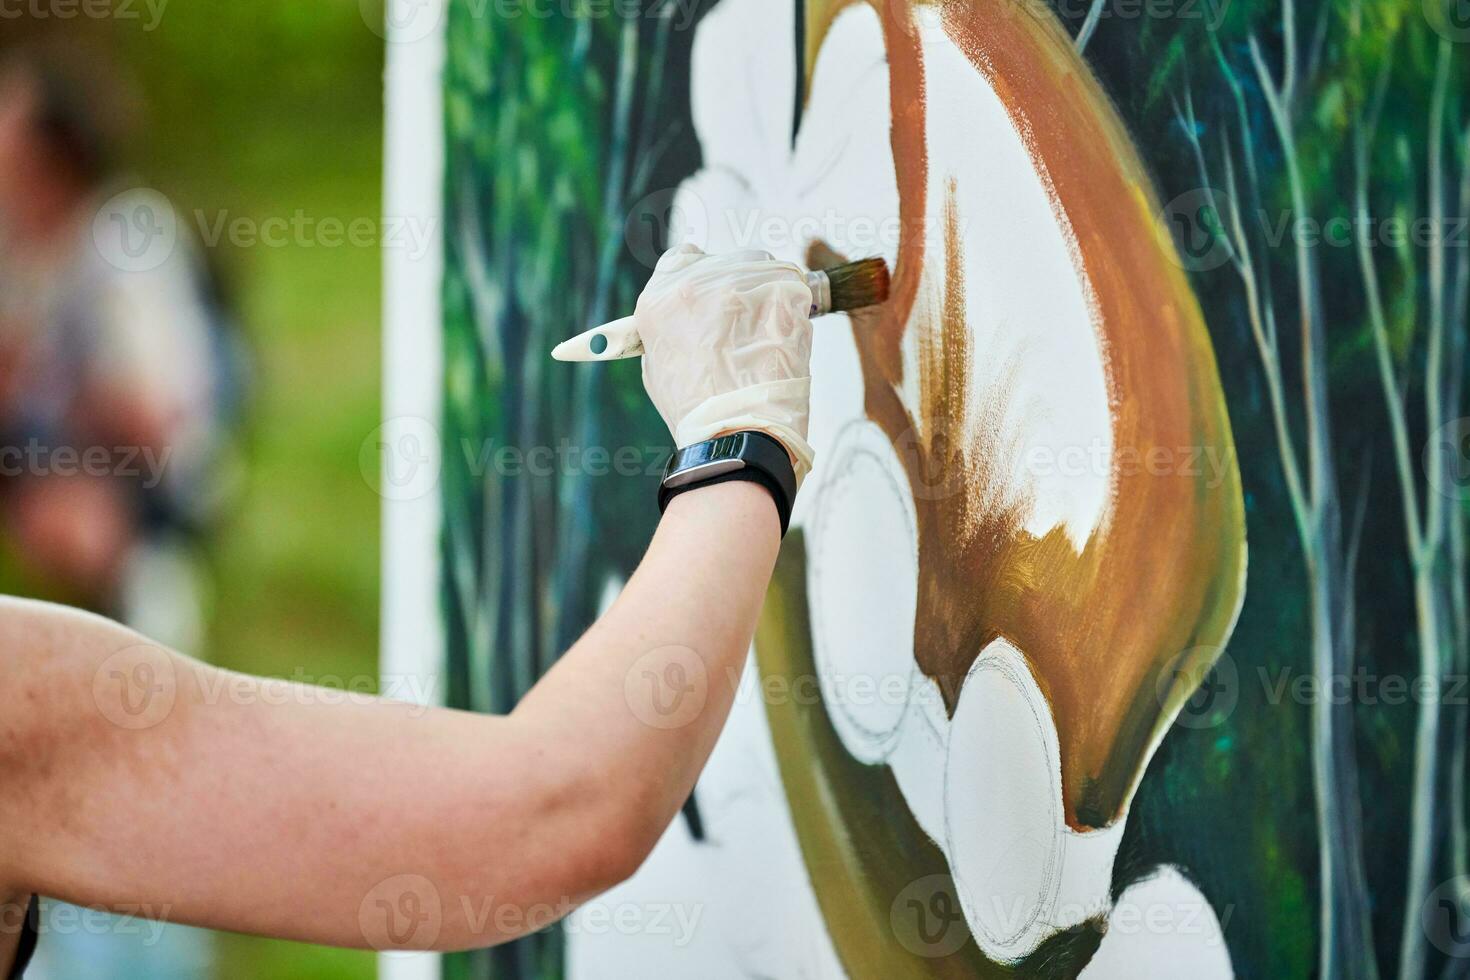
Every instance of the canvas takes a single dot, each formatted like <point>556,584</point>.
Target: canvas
<point>1122,626</point>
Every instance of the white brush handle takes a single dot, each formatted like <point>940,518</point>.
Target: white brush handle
<point>609,342</point>
<point>619,339</point>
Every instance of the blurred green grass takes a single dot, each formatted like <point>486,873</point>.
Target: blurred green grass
<point>295,124</point>
<point>259,111</point>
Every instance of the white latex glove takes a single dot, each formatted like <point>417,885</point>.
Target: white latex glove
<point>727,345</point>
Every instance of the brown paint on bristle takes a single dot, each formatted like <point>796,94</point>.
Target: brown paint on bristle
<point>858,285</point>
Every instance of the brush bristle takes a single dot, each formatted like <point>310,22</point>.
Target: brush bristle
<point>856,285</point>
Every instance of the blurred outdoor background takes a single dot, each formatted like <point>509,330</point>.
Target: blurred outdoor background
<point>270,109</point>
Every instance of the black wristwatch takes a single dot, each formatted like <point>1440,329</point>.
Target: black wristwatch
<point>752,456</point>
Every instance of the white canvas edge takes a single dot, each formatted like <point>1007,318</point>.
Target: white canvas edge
<point>413,370</point>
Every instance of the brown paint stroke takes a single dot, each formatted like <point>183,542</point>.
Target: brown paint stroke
<point>1118,633</point>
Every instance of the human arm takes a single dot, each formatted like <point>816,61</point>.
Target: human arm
<point>292,811</point>
<point>140,779</point>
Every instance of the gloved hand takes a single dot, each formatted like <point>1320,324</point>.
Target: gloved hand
<point>727,345</point>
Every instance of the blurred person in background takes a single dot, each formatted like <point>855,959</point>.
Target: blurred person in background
<point>120,378</point>
<point>120,385</point>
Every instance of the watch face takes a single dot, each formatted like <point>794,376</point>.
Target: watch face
<point>725,447</point>
<point>705,460</point>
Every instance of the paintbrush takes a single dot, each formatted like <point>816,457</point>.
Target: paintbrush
<point>851,286</point>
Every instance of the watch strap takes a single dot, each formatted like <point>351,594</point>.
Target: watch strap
<point>756,458</point>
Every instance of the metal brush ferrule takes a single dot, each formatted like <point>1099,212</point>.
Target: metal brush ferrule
<point>821,287</point>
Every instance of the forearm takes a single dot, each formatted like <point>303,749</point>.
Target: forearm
<point>267,807</point>
<point>655,676</point>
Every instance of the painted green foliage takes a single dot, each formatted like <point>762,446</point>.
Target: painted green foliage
<point>537,111</point>
<point>553,125</point>
<point>559,129</point>
<point>1216,85</point>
